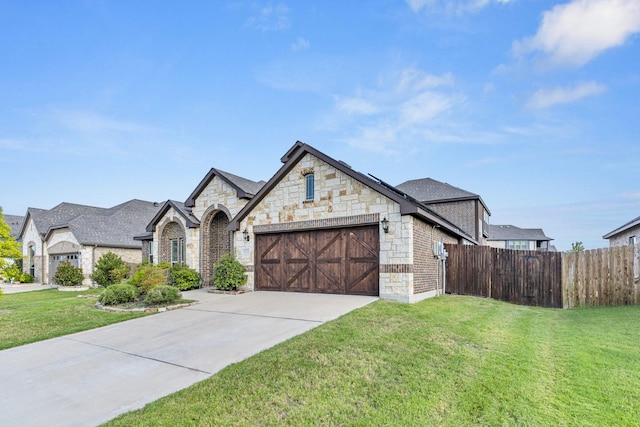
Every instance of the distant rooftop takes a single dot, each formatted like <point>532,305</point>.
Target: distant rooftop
<point>511,232</point>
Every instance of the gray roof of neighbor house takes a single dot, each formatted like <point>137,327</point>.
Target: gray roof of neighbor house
<point>428,190</point>
<point>630,224</point>
<point>15,224</point>
<point>511,232</point>
<point>245,188</point>
<point>106,227</point>
<point>408,204</point>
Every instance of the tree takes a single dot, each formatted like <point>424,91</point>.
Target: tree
<point>577,247</point>
<point>9,247</point>
<point>109,270</point>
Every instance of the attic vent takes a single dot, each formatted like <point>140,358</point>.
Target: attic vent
<point>342,162</point>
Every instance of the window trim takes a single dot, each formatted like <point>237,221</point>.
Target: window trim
<point>309,187</point>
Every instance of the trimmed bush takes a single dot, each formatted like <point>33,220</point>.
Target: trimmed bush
<point>26,278</point>
<point>162,295</point>
<point>68,274</point>
<point>184,278</point>
<point>148,276</point>
<point>109,270</point>
<point>122,293</point>
<point>229,274</point>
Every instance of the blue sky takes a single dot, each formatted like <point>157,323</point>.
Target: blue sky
<point>533,104</point>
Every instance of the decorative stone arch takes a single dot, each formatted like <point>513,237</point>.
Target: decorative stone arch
<point>215,239</point>
<point>170,230</point>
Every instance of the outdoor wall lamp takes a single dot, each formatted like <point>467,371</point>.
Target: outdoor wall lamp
<point>385,224</point>
<point>245,235</point>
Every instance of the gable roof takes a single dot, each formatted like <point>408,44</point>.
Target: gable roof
<point>428,190</point>
<point>15,224</point>
<point>110,227</point>
<point>625,227</point>
<point>184,212</point>
<point>408,205</point>
<point>245,188</point>
<point>511,232</point>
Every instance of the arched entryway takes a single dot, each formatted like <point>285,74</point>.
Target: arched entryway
<point>216,242</point>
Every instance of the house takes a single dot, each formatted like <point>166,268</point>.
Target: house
<point>319,226</point>
<point>512,237</point>
<point>82,234</point>
<point>459,206</point>
<point>15,223</point>
<point>628,234</point>
<point>195,232</point>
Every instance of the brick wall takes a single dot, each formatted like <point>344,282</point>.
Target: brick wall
<point>172,230</point>
<point>215,242</point>
<point>427,270</point>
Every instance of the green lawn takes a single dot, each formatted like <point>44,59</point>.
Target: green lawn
<point>34,316</point>
<point>450,361</point>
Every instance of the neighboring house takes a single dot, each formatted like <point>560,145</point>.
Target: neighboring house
<point>512,237</point>
<point>628,234</point>
<point>15,224</point>
<point>195,233</point>
<point>459,206</point>
<point>82,234</point>
<point>319,226</point>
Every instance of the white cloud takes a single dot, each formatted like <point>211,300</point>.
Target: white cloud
<point>455,6</point>
<point>90,122</point>
<point>355,106</point>
<point>406,106</point>
<point>574,33</point>
<point>270,18</point>
<point>544,98</point>
<point>300,44</point>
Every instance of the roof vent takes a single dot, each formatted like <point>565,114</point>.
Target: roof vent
<point>342,162</point>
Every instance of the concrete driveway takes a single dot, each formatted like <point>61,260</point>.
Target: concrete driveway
<point>90,377</point>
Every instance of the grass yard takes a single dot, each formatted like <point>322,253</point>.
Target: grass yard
<point>34,316</point>
<point>451,361</point>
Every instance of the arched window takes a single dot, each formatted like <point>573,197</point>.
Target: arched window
<point>32,260</point>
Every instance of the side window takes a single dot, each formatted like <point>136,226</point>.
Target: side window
<point>310,186</point>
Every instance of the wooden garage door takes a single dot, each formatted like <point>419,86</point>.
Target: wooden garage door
<point>335,261</point>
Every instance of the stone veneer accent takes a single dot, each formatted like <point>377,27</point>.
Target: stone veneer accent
<point>318,223</point>
<point>339,201</point>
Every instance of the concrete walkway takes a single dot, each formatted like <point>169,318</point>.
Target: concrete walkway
<point>26,287</point>
<point>90,377</point>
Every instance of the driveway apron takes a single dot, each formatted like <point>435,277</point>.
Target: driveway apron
<point>90,377</point>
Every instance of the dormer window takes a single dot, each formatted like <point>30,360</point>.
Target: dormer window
<point>310,186</point>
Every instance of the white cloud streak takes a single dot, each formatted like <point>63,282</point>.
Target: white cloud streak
<point>545,98</point>
<point>407,106</point>
<point>574,33</point>
<point>270,18</point>
<point>453,6</point>
<point>300,44</point>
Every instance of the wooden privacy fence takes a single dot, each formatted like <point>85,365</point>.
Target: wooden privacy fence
<point>520,277</point>
<point>601,277</point>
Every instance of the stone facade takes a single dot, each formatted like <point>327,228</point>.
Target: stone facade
<point>31,238</point>
<point>623,238</point>
<point>214,207</point>
<point>338,200</point>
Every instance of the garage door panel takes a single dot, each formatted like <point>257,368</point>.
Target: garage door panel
<point>269,265</point>
<point>325,261</point>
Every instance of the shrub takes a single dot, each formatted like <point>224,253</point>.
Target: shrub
<point>68,274</point>
<point>147,277</point>
<point>109,270</point>
<point>229,274</point>
<point>26,278</point>
<point>12,271</point>
<point>162,295</point>
<point>184,278</point>
<point>118,294</point>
